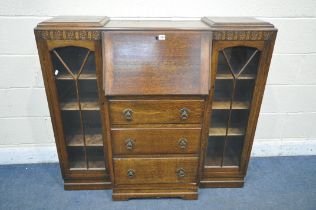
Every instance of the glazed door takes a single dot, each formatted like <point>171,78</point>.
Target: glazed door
<point>75,88</point>
<point>235,67</point>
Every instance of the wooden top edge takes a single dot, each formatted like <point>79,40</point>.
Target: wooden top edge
<point>156,25</point>
<point>104,23</point>
<point>74,21</point>
<point>235,22</point>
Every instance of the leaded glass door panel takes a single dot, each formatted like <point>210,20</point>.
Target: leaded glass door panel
<point>75,75</point>
<point>236,74</point>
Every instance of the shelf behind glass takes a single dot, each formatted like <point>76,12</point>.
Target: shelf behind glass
<point>83,76</point>
<point>220,157</point>
<point>228,76</point>
<point>226,105</point>
<point>222,132</point>
<point>77,160</point>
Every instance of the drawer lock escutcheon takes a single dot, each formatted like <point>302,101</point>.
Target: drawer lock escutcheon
<point>184,113</point>
<point>183,143</point>
<point>128,114</point>
<point>129,144</point>
<point>130,173</point>
<point>181,172</point>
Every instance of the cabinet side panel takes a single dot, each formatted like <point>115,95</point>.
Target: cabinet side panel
<point>103,111</point>
<point>207,108</point>
<point>257,100</point>
<point>46,69</point>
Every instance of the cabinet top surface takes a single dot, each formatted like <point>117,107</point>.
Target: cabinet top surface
<point>236,22</point>
<point>156,24</point>
<point>104,23</point>
<point>75,21</point>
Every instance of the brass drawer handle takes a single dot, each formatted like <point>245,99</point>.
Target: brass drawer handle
<point>129,144</point>
<point>128,114</point>
<point>130,173</point>
<point>184,113</point>
<point>183,143</point>
<point>181,172</point>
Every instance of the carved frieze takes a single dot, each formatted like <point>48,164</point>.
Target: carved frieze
<point>242,35</point>
<point>68,35</point>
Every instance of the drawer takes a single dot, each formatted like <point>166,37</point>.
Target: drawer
<point>129,141</point>
<point>155,170</point>
<point>156,111</point>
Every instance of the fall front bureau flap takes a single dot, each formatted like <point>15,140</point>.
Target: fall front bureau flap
<point>156,62</point>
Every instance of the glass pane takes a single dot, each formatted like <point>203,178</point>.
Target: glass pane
<point>214,151</point>
<point>92,127</point>
<point>73,57</point>
<point>222,66</point>
<point>223,90</point>
<point>88,94</point>
<point>66,90</point>
<point>252,67</point>
<point>59,68</point>
<point>88,90</point>
<point>239,119</point>
<point>219,118</point>
<point>72,128</point>
<point>96,158</point>
<point>76,156</point>
<point>89,67</point>
<point>233,150</point>
<point>237,57</point>
<point>244,90</point>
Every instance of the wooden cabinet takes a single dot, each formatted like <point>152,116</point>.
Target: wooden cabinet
<point>154,108</point>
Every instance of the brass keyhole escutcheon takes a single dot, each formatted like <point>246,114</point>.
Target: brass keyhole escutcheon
<point>128,114</point>
<point>181,172</point>
<point>130,173</point>
<point>184,113</point>
<point>183,143</point>
<point>129,144</point>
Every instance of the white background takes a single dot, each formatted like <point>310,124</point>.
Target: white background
<point>287,123</point>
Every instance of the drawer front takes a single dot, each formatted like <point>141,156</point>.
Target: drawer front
<point>155,170</point>
<point>129,141</point>
<point>156,111</point>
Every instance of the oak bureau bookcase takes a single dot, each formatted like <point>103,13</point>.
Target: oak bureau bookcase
<point>154,108</point>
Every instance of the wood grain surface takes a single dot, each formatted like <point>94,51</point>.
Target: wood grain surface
<point>155,170</point>
<point>156,111</point>
<point>155,141</point>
